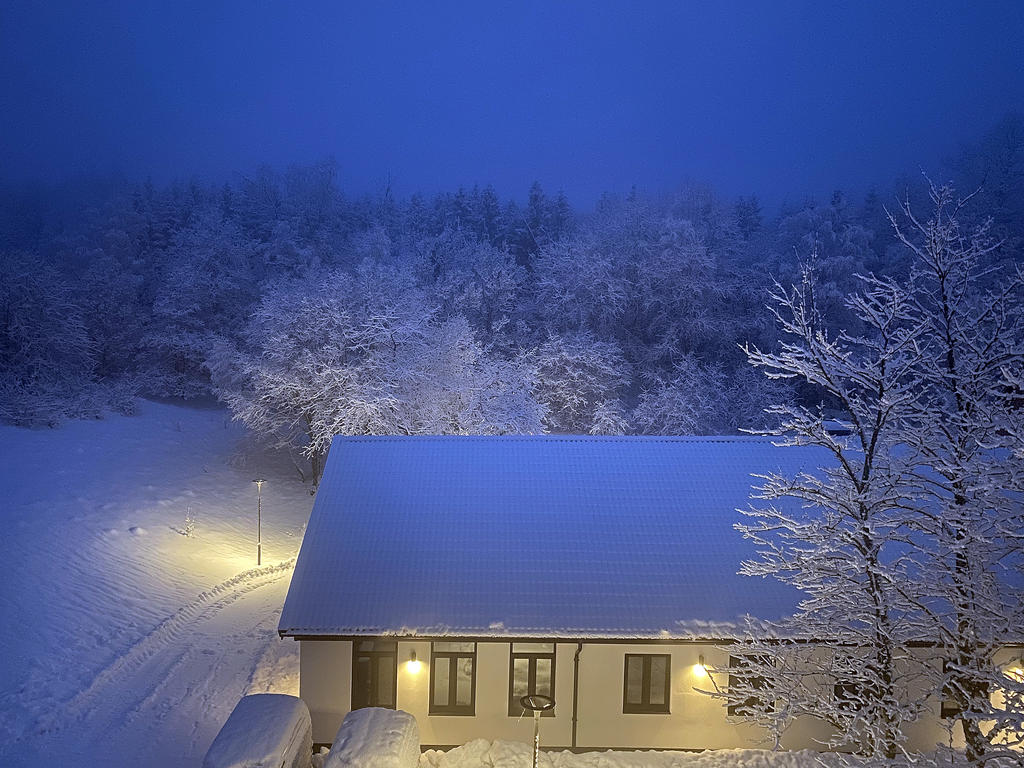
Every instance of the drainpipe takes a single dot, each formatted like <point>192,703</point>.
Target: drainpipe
<point>575,688</point>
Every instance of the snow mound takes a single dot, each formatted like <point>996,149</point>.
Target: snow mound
<point>137,530</point>
<point>481,753</point>
<point>376,738</point>
<point>265,730</point>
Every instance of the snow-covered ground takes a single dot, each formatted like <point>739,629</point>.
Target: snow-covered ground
<point>510,754</point>
<point>124,641</point>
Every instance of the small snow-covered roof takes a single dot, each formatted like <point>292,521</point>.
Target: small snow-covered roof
<point>536,536</point>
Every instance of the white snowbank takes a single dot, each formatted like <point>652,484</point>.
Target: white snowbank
<point>265,730</point>
<point>509,754</point>
<point>376,738</point>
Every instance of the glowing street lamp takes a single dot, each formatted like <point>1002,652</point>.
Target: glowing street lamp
<point>259,520</point>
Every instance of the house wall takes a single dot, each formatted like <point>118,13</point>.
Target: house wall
<point>492,720</point>
<point>325,684</point>
<point>695,721</point>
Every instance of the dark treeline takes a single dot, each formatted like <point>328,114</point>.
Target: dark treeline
<point>311,313</point>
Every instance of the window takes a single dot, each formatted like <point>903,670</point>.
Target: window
<point>950,707</point>
<point>848,695</point>
<point>452,678</point>
<point>531,671</point>
<point>645,688</point>
<point>374,673</point>
<point>742,677</point>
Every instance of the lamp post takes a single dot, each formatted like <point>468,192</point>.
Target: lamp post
<point>259,521</point>
<point>537,704</point>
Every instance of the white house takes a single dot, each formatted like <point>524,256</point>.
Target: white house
<point>448,576</point>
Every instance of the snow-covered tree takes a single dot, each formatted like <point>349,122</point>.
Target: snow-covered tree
<point>970,481</point>
<point>912,532</point>
<point>580,381</point>
<point>701,399</point>
<point>470,278</point>
<point>457,386</point>
<point>843,543</point>
<point>577,288</point>
<point>46,355</point>
<point>365,354</point>
<point>203,295</point>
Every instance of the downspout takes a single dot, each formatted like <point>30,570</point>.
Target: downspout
<point>575,688</point>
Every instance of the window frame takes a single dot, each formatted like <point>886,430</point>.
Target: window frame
<point>739,662</point>
<point>515,709</point>
<point>452,658</point>
<point>373,656</point>
<point>645,707</point>
<point>949,707</point>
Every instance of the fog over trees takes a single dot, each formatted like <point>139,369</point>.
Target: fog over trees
<point>311,313</point>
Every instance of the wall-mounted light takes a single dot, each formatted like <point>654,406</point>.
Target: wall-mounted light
<point>700,668</point>
<point>414,664</point>
<point>1015,670</point>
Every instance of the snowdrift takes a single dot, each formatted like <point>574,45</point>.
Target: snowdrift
<point>265,730</point>
<point>376,738</point>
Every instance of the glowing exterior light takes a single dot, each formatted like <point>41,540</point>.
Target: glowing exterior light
<point>414,664</point>
<point>700,669</point>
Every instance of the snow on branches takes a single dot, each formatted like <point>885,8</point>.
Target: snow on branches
<point>366,354</point>
<point>907,546</point>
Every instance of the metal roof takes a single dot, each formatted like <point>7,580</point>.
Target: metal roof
<point>535,536</point>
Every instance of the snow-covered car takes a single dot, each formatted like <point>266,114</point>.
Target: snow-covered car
<point>375,737</point>
<point>265,730</point>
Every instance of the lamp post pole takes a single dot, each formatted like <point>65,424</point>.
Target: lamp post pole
<point>259,521</point>
<point>537,704</point>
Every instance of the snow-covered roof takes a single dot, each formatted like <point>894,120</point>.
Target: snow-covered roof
<point>539,536</point>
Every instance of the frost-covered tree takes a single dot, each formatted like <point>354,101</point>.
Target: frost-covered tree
<point>843,544</point>
<point>748,215</point>
<point>926,493</point>
<point>203,295</point>
<point>457,386</point>
<point>47,359</point>
<point>702,399</point>
<point>578,288</point>
<point>470,278</point>
<point>580,381</point>
<point>366,354</point>
<point>970,481</point>
<point>839,248</point>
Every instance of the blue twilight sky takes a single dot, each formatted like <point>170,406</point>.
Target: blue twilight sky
<point>750,96</point>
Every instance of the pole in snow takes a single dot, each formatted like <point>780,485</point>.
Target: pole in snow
<point>259,521</point>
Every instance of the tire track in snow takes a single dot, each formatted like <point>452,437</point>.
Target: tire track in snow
<point>172,705</point>
<point>206,605</point>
